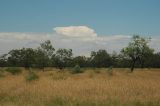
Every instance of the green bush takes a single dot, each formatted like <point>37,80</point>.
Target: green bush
<point>32,76</point>
<point>14,70</point>
<point>77,69</point>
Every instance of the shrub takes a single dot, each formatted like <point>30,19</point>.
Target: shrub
<point>77,69</point>
<point>32,76</point>
<point>14,70</point>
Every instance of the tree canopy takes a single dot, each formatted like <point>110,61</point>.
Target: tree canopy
<point>138,50</point>
<point>137,54</point>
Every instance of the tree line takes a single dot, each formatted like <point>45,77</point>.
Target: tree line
<point>136,54</point>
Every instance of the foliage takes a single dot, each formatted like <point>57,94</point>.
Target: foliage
<point>44,54</point>
<point>14,70</point>
<point>100,59</point>
<point>63,58</point>
<point>3,60</point>
<point>22,57</point>
<point>77,69</point>
<point>137,50</point>
<point>81,60</point>
<point>136,54</point>
<point>32,76</point>
<point>28,55</point>
<point>47,48</point>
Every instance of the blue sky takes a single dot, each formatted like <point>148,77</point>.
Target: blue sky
<point>106,17</point>
<point>80,25</point>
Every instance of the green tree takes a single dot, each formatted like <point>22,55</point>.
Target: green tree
<point>100,59</point>
<point>15,58</point>
<point>137,51</point>
<point>3,60</point>
<point>44,54</point>
<point>28,57</point>
<point>24,57</point>
<point>80,60</point>
<point>47,48</point>
<point>153,61</point>
<point>63,58</point>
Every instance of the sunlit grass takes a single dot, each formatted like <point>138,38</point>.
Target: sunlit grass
<point>56,88</point>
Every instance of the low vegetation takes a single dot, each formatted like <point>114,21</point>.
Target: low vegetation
<point>31,76</point>
<point>77,69</point>
<point>62,88</point>
<point>137,54</point>
<point>14,70</point>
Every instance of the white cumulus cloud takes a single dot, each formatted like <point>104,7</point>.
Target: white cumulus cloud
<point>75,31</point>
<point>81,39</point>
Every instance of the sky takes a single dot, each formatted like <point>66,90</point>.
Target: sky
<point>82,25</point>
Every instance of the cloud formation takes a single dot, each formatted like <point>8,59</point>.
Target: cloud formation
<point>75,31</point>
<point>81,39</point>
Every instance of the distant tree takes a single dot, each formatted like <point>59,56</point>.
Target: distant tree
<point>47,48</point>
<point>100,59</point>
<point>3,60</point>
<point>80,60</point>
<point>44,54</point>
<point>15,58</point>
<point>115,58</point>
<point>21,57</point>
<point>153,61</point>
<point>28,57</point>
<point>137,51</point>
<point>63,58</point>
<point>41,60</point>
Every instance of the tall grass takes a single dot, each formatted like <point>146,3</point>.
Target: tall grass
<point>140,88</point>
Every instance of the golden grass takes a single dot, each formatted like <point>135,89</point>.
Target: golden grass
<point>55,88</point>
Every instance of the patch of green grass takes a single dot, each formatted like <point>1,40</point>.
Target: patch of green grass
<point>32,76</point>
<point>14,70</point>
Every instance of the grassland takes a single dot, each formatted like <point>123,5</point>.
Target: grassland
<point>94,87</point>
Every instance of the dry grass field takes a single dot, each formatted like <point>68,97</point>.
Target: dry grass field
<point>94,87</point>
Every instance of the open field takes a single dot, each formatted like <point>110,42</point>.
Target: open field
<point>94,87</point>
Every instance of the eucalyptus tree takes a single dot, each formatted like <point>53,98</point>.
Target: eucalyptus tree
<point>44,54</point>
<point>63,58</point>
<point>101,59</point>
<point>138,50</point>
